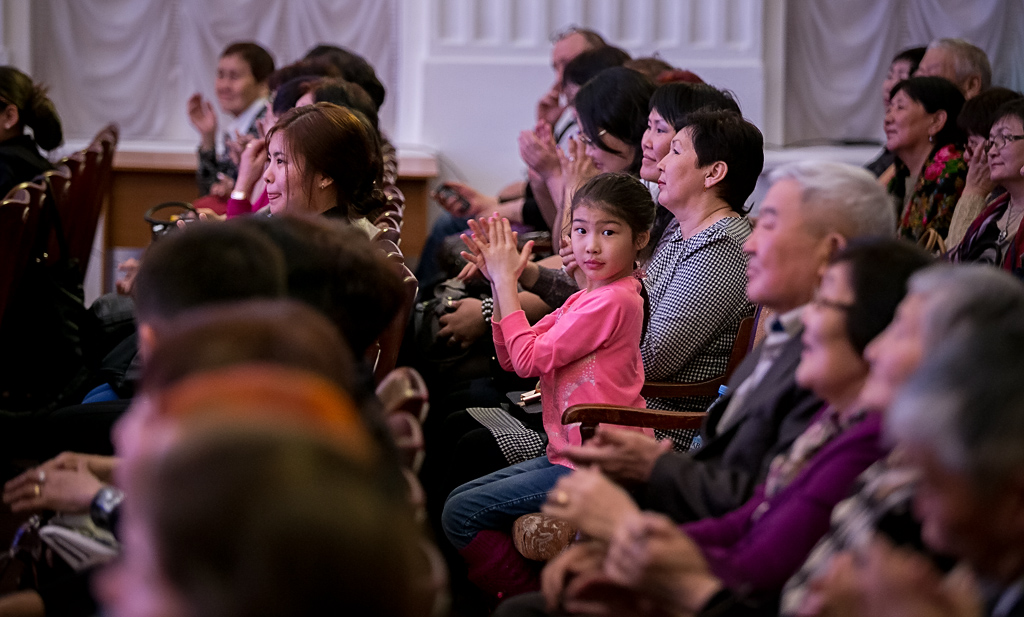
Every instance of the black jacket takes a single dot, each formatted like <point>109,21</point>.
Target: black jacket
<point>20,161</point>
<point>722,475</point>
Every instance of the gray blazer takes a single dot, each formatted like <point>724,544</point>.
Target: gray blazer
<point>722,475</point>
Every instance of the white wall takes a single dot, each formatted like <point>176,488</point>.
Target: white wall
<point>472,70</point>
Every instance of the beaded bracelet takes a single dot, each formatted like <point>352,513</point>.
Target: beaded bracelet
<point>487,309</point>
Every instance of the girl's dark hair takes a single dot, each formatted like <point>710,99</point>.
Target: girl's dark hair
<point>725,136</point>
<point>879,271</point>
<point>616,101</point>
<point>979,113</point>
<point>249,522</point>
<point>912,55</point>
<point>624,197</point>
<point>676,100</point>
<point>588,64</point>
<point>341,145</point>
<point>260,62</point>
<point>35,109</point>
<point>934,94</point>
<point>353,68</point>
<point>1014,108</point>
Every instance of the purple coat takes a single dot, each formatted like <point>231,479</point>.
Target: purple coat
<point>761,554</point>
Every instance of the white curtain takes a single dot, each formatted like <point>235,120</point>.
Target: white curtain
<point>136,62</point>
<point>838,52</point>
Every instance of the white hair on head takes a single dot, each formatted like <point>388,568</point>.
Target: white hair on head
<point>968,60</point>
<point>840,198</point>
<point>965,295</point>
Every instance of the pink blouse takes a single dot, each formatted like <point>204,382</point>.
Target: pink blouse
<point>587,351</point>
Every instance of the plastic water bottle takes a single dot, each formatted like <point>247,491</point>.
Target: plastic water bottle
<point>698,441</point>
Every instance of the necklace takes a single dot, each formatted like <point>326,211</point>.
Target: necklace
<point>1008,219</point>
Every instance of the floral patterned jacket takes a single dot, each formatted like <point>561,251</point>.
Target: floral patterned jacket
<point>935,195</point>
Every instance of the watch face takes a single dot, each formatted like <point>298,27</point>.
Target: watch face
<point>108,498</point>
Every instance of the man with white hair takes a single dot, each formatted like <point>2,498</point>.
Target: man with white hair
<point>960,62</point>
<point>811,210</point>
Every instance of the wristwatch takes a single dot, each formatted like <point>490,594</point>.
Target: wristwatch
<point>104,507</point>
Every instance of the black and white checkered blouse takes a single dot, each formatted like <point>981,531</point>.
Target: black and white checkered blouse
<point>697,289</point>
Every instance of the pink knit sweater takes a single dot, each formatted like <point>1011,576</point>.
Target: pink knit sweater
<point>587,351</point>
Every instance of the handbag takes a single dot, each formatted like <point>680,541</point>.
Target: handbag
<point>932,242</point>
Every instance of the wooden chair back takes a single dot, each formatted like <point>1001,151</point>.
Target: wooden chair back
<point>741,346</point>
<point>403,389</point>
<point>19,219</point>
<point>52,234</point>
<point>91,174</point>
<point>391,340</point>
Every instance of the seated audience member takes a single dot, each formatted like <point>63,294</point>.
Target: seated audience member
<point>960,62</point>
<point>994,236</point>
<point>921,130</point>
<point>25,105</point>
<point>254,521</point>
<point>901,67</point>
<point>256,334</point>
<point>968,496</point>
<point>552,110</point>
<point>668,108</point>
<point>586,66</point>
<point>203,264</point>
<point>611,109</point>
<point>336,270</point>
<point>249,194</point>
<point>325,159</point>
<point>941,301</point>
<point>694,285</point>
<point>241,86</point>
<point>249,522</point>
<point>976,120</point>
<point>352,68</point>
<point>257,331</point>
<point>756,547</point>
<point>651,66</point>
<point>588,352</point>
<point>199,265</point>
<point>811,210</point>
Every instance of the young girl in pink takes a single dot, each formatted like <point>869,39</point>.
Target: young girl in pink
<point>587,351</point>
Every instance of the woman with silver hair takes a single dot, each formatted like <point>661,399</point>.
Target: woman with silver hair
<point>941,302</point>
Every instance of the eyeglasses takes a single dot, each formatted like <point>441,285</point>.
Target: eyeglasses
<point>586,141</point>
<point>1000,141</point>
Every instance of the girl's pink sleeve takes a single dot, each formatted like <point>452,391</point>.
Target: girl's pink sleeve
<point>499,347</point>
<point>550,345</point>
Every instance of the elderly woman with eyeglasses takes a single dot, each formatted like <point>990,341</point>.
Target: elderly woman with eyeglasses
<point>993,236</point>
